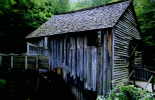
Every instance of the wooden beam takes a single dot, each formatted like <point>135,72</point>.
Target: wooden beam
<point>99,38</point>
<point>149,81</point>
<point>153,87</point>
<point>26,63</point>
<point>30,44</point>
<point>11,62</point>
<point>28,48</point>
<point>37,67</point>
<point>46,42</point>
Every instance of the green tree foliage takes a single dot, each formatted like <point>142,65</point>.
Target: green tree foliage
<point>41,11</point>
<point>33,12</point>
<point>89,3</point>
<point>81,4</point>
<point>100,2</point>
<point>128,92</point>
<point>145,11</point>
<point>20,17</point>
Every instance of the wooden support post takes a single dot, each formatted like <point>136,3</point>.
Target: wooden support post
<point>26,63</point>
<point>153,88</point>
<point>11,62</point>
<point>134,77</point>
<point>49,68</point>
<point>149,81</point>
<point>28,49</point>
<point>45,50</point>
<point>1,57</point>
<point>99,38</point>
<point>37,67</point>
<point>132,72</point>
<point>45,42</point>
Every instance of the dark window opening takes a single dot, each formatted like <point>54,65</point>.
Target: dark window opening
<point>95,39</point>
<point>92,39</point>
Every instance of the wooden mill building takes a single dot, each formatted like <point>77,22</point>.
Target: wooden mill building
<point>92,44</point>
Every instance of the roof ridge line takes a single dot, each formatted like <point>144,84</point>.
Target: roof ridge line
<point>89,8</point>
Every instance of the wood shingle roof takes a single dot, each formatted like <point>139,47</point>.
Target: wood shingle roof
<point>89,19</point>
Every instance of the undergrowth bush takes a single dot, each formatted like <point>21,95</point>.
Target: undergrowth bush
<point>128,92</point>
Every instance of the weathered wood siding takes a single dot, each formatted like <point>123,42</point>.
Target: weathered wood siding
<point>123,32</point>
<point>73,54</point>
<point>38,47</point>
<point>86,62</point>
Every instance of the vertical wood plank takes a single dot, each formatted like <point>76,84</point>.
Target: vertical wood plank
<point>76,69</point>
<point>28,48</point>
<point>85,57</point>
<point>26,63</point>
<point>46,42</point>
<point>51,52</point>
<point>12,62</point>
<point>60,53</point>
<point>105,64</point>
<point>109,85</point>
<point>89,67</point>
<point>65,46</point>
<point>37,63</point>
<point>70,55</point>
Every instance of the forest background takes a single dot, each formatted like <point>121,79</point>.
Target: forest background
<point>20,17</point>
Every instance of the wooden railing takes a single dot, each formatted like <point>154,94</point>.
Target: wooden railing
<point>23,62</point>
<point>33,49</point>
<point>143,74</point>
